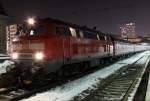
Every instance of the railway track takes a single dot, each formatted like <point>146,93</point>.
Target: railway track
<point>118,87</point>
<point>18,93</point>
<point>12,94</point>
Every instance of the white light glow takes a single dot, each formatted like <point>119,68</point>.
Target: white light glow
<point>14,55</point>
<point>39,56</point>
<point>31,21</point>
<point>31,32</point>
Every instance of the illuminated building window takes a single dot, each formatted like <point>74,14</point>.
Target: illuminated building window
<point>128,30</point>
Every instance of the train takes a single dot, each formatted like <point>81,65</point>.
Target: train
<point>49,48</point>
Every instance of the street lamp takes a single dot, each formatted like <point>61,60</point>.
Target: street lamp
<point>31,21</point>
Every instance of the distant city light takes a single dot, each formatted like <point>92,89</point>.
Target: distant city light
<point>131,24</point>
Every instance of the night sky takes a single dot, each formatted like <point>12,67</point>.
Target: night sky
<point>107,15</point>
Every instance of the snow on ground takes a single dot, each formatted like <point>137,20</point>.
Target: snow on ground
<point>5,64</point>
<point>69,90</point>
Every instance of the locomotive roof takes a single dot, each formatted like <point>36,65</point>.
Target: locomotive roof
<point>80,27</point>
<point>71,24</point>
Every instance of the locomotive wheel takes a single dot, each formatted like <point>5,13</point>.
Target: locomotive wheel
<point>101,61</point>
<point>68,70</point>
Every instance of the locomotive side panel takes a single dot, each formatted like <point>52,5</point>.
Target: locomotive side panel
<point>55,54</point>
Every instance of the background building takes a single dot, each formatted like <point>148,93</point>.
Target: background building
<point>11,31</point>
<point>128,30</point>
<point>3,20</point>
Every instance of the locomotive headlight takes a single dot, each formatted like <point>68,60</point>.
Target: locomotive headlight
<point>15,55</point>
<point>39,56</point>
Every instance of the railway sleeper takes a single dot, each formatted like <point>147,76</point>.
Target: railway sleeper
<point>4,97</point>
<point>110,93</point>
<point>120,83</point>
<point>105,99</point>
<point>113,90</point>
<point>102,95</point>
<point>119,87</point>
<point>17,93</point>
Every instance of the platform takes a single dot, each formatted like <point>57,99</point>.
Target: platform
<point>148,91</point>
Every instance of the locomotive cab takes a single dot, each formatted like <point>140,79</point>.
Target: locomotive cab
<point>29,44</point>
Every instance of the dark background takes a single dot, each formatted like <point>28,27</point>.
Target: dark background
<point>107,15</point>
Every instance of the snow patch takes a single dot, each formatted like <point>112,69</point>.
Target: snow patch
<point>4,65</point>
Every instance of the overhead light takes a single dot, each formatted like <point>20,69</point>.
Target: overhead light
<point>31,21</point>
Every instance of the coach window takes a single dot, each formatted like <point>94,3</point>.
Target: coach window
<point>67,32</point>
<point>59,30</point>
<point>81,34</point>
<point>90,35</point>
<point>101,36</point>
<point>98,38</point>
<point>110,40</point>
<point>62,30</point>
<point>105,37</point>
<point>73,32</point>
<point>78,33</point>
<point>56,29</point>
<point>40,29</point>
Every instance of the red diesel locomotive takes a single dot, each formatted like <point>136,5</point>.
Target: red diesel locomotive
<point>49,47</point>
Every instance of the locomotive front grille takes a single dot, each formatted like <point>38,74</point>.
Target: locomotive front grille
<point>25,56</point>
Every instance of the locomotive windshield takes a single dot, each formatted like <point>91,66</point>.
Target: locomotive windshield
<point>23,30</point>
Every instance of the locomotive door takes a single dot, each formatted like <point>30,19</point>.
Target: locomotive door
<point>66,50</point>
<point>107,46</point>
